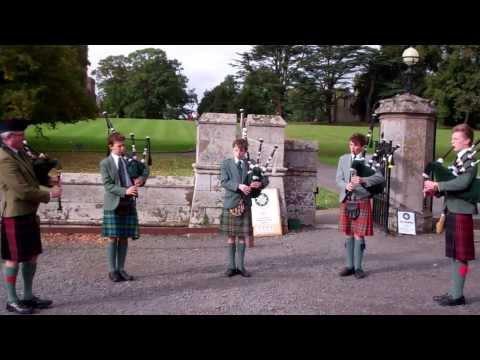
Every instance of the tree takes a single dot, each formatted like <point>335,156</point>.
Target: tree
<point>145,84</point>
<point>223,98</point>
<point>305,102</point>
<point>112,79</point>
<point>455,87</point>
<point>383,75</point>
<point>46,84</point>
<point>259,93</point>
<point>330,67</point>
<point>277,67</point>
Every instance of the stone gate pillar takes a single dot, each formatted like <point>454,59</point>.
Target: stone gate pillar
<point>215,134</point>
<point>272,129</point>
<point>409,121</point>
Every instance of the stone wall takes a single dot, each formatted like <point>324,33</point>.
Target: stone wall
<point>164,201</point>
<point>301,179</point>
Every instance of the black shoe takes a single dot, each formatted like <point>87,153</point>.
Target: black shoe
<point>231,272</point>
<point>243,272</point>
<point>124,276</point>
<point>347,272</point>
<point>115,276</point>
<point>449,301</point>
<point>37,303</point>
<point>360,274</point>
<point>438,298</point>
<point>19,308</point>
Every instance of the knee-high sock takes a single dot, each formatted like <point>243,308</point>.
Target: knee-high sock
<point>231,255</point>
<point>10,279</point>
<point>241,255</point>
<point>459,274</point>
<point>122,253</point>
<point>349,250</point>
<point>112,255</point>
<point>359,249</point>
<point>28,272</point>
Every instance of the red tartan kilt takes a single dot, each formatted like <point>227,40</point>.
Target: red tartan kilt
<point>361,226</point>
<point>459,243</point>
<point>20,238</point>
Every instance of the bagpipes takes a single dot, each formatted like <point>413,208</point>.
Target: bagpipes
<point>382,158</point>
<point>42,165</point>
<point>435,171</point>
<point>135,167</point>
<point>256,172</point>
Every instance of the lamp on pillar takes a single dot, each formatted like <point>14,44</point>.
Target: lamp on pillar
<point>410,57</point>
<point>241,118</point>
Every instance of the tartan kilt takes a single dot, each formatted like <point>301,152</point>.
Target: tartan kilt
<point>20,238</point>
<point>122,224</point>
<point>459,237</point>
<point>236,225</point>
<point>362,226</point>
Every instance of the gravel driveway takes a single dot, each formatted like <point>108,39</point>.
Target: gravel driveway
<point>293,274</point>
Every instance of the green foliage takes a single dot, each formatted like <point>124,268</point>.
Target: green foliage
<point>145,84</point>
<point>45,83</point>
<point>222,99</point>
<point>455,87</point>
<point>268,71</point>
<point>326,199</point>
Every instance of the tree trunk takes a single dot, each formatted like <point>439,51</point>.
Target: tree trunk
<point>467,116</point>
<point>368,106</point>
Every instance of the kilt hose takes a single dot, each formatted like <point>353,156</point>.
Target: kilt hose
<point>362,225</point>
<point>121,222</point>
<point>20,238</point>
<point>459,237</point>
<point>236,225</point>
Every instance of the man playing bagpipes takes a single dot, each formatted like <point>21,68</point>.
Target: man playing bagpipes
<point>356,219</point>
<point>236,220</point>
<point>459,244</point>
<point>20,229</point>
<point>120,220</point>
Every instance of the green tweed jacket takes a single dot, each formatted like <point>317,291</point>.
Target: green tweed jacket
<point>460,183</point>
<point>230,179</point>
<point>21,191</point>
<point>111,181</point>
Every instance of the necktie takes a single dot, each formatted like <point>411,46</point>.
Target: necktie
<point>122,172</point>
<point>239,167</point>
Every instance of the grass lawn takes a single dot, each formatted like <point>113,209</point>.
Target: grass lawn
<point>165,135</point>
<point>82,145</point>
<point>332,139</point>
<point>162,164</point>
<point>326,199</point>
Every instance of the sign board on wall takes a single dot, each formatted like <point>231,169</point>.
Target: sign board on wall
<point>266,218</point>
<point>406,223</point>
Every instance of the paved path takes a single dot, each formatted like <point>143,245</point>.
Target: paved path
<point>294,274</point>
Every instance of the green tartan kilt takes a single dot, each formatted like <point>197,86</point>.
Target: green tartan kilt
<point>236,225</point>
<point>124,225</point>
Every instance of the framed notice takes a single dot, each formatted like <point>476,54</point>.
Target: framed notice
<point>266,217</point>
<point>406,223</point>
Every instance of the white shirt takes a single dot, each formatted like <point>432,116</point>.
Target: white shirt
<point>116,158</point>
<point>461,152</point>
<point>237,160</point>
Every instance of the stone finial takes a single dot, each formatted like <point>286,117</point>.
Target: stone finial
<point>266,120</point>
<point>406,103</point>
<point>218,118</point>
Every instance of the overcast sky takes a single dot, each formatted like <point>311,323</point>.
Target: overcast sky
<point>205,66</point>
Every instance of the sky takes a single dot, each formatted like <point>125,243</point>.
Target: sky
<point>205,66</point>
